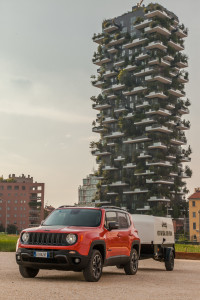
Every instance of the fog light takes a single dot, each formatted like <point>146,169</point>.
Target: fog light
<point>77,260</point>
<point>18,257</point>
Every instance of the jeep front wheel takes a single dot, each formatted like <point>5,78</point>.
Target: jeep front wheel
<point>94,267</point>
<point>28,272</point>
<point>132,266</point>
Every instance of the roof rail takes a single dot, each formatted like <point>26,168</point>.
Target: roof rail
<point>67,206</point>
<point>113,207</point>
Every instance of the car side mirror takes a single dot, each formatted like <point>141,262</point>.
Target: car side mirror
<point>113,225</point>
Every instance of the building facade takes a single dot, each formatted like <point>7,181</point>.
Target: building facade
<point>21,202</point>
<point>194,215</point>
<point>141,77</point>
<point>87,192</point>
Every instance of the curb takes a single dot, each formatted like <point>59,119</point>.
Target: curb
<point>187,255</point>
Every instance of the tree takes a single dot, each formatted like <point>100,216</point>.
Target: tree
<point>12,229</point>
<point>2,229</point>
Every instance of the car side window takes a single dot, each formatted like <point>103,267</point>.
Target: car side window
<point>122,219</point>
<point>111,216</point>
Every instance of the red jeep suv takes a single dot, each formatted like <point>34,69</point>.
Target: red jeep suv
<point>80,239</point>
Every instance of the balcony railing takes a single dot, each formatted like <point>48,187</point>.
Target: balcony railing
<point>135,42</point>
<point>114,135</point>
<point>157,94</point>
<point>129,166</point>
<point>135,90</point>
<point>145,121</point>
<point>161,62</point>
<point>176,93</point>
<point>101,106</point>
<point>159,128</point>
<point>157,45</point>
<point>159,163</point>
<point>137,140</point>
<point>157,13</point>
<point>159,78</point>
<point>110,28</point>
<point>158,145</point>
<point>160,111</point>
<point>158,199</point>
<point>176,46</point>
<point>159,29</point>
<point>143,24</point>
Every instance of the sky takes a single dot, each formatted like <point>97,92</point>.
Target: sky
<point>46,117</point>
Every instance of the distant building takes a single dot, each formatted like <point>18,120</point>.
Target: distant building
<point>21,201</point>
<point>194,215</point>
<point>87,191</point>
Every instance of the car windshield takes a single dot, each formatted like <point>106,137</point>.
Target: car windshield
<point>74,217</point>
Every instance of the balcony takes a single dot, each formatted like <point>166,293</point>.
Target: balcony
<point>158,145</point>
<point>157,13</point>
<point>159,78</point>
<point>171,123</point>
<point>130,68</point>
<point>181,126</point>
<point>110,28</point>
<point>168,57</point>
<point>112,194</point>
<point>184,175</point>
<point>177,142</point>
<point>146,173</point>
<point>129,166</point>
<point>181,33</point>
<point>185,159</point>
<point>145,208</point>
<point>111,144</point>
<point>159,163</point>
<point>109,168</point>
<point>160,181</point>
<point>158,199</point>
<point>173,74</point>
<point>157,45</point>
<point>160,62</point>
<point>145,71</point>
<point>176,46</point>
<point>182,79</point>
<point>143,24</point>
<point>119,158</point>
<point>100,62</point>
<point>115,134</point>
<point>176,93</point>
<point>158,128</point>
<point>135,42</point>
<point>160,95</point>
<point>160,111</point>
<point>136,140</point>
<point>173,174</point>
<point>142,105</point>
<point>98,129</point>
<point>158,29</point>
<point>129,115</point>
<point>136,90</point>
<point>119,63</point>
<point>145,121</point>
<point>98,84</point>
<point>112,96</point>
<point>182,65</point>
<point>115,42</point>
<point>112,50</point>
<point>120,109</point>
<point>98,38</point>
<point>118,183</point>
<point>109,120</point>
<point>183,111</point>
<point>135,191</point>
<point>170,106</point>
<point>142,56</point>
<point>99,153</point>
<point>171,157</point>
<point>109,73</point>
<point>101,106</point>
<point>117,87</point>
<point>144,155</point>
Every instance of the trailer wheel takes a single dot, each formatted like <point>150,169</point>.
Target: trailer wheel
<point>169,262</point>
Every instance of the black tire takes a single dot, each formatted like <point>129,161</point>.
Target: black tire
<point>132,266</point>
<point>93,271</point>
<point>169,263</point>
<point>28,272</point>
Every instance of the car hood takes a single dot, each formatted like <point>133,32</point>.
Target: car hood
<point>58,228</point>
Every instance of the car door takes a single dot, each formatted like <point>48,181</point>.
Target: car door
<point>123,233</point>
<point>112,239</point>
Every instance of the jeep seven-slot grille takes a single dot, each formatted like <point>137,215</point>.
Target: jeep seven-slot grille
<point>43,238</point>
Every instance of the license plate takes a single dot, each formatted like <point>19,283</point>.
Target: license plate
<point>41,254</point>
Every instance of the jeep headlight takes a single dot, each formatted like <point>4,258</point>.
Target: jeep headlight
<point>71,239</point>
<point>25,237</point>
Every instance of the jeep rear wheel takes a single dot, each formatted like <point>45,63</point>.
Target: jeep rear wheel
<point>28,272</point>
<point>94,267</point>
<point>132,266</point>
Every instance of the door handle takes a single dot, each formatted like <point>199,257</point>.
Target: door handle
<point>119,235</point>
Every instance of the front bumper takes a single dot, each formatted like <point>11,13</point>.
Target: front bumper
<point>58,259</point>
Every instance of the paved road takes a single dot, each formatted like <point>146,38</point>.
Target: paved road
<point>151,282</point>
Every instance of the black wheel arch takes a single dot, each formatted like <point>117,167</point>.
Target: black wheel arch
<point>136,245</point>
<point>98,245</point>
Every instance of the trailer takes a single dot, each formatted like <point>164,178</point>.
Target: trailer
<point>157,238</point>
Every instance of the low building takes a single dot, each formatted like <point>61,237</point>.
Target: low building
<point>87,191</point>
<point>21,202</point>
<point>194,215</point>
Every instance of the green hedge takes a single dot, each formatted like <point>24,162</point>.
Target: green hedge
<point>8,243</point>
